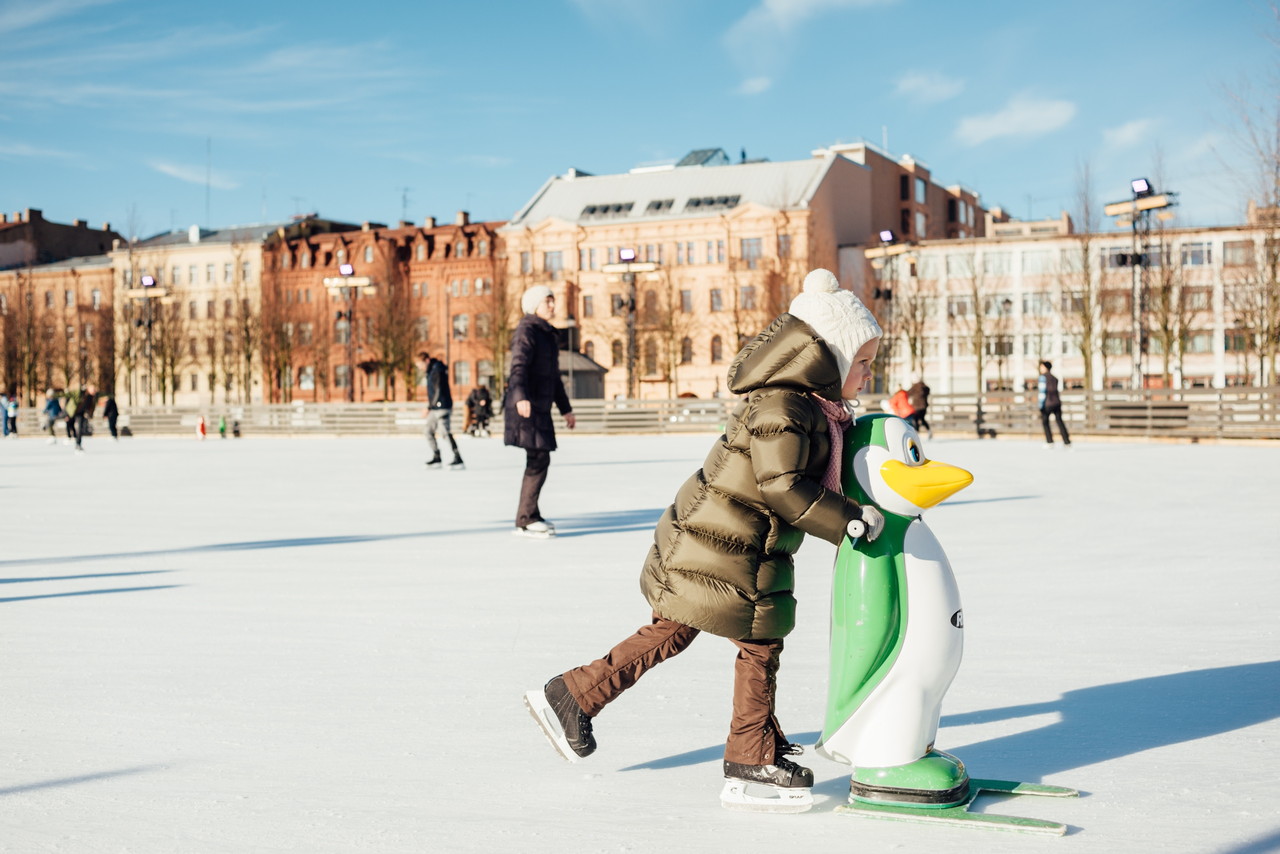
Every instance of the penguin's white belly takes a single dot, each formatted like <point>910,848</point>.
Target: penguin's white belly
<point>898,721</point>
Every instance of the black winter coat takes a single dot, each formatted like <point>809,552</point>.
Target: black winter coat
<point>535,377</point>
<point>438,396</point>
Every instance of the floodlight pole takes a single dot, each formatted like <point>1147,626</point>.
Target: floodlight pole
<point>349,285</point>
<point>1142,201</point>
<point>628,269</point>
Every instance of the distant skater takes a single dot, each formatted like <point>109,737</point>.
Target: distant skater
<point>1050,404</point>
<point>918,396</point>
<point>439,409</point>
<point>83,414</point>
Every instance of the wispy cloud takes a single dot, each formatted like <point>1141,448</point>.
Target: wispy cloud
<point>928,87</point>
<point>760,41</point>
<point>22,15</point>
<point>194,175</point>
<point>1022,116</point>
<point>22,149</point>
<point>1128,134</point>
<point>486,161</point>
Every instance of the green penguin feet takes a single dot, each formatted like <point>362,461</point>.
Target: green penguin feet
<point>935,780</point>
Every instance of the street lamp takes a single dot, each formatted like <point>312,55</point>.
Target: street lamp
<point>148,292</point>
<point>1138,210</point>
<point>350,284</point>
<point>882,294</point>
<point>628,266</point>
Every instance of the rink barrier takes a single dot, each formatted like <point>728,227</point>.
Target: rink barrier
<point>1188,414</point>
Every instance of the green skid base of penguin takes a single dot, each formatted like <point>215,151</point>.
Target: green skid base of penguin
<point>897,636</point>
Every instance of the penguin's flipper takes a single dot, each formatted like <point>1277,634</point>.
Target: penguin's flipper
<point>866,628</point>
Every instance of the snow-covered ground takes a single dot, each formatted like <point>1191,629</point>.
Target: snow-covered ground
<point>319,646</point>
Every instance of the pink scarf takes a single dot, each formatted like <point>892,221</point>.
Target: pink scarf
<point>838,420</point>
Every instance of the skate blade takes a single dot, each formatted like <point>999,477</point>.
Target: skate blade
<point>533,535</point>
<point>536,702</point>
<point>736,796</point>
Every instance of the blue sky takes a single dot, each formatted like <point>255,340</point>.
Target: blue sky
<point>146,113</point>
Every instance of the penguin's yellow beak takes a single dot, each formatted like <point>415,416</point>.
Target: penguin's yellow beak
<point>926,485</point>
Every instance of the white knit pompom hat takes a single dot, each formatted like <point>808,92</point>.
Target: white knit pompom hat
<point>533,298</point>
<point>837,315</point>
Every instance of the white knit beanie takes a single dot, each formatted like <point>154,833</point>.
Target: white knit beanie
<point>533,298</point>
<point>837,315</point>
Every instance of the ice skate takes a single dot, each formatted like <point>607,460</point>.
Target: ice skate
<point>783,787</point>
<point>562,720</point>
<point>435,462</point>
<point>457,464</point>
<point>538,530</point>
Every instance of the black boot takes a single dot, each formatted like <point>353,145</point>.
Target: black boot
<point>435,462</point>
<point>574,721</point>
<point>783,773</point>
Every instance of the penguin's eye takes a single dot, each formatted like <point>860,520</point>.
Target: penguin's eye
<point>915,455</point>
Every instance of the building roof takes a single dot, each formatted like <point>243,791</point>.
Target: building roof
<point>679,192</point>
<point>256,233</point>
<point>83,262</point>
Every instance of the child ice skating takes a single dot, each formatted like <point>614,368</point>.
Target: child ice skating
<point>721,559</point>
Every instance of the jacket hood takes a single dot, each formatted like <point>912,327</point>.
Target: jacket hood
<point>788,353</point>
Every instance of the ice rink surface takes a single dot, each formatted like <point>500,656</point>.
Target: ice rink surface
<point>316,645</point>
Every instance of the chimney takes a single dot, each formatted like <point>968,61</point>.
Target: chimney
<point>193,234</point>
<point>34,215</point>
<point>463,218</point>
<point>364,226</point>
<point>429,222</point>
<point>115,244</point>
<point>4,217</point>
<point>106,226</point>
<point>78,223</point>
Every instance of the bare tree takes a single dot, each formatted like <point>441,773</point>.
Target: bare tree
<point>1079,279</point>
<point>393,322</point>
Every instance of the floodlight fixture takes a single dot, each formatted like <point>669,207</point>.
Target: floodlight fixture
<point>1141,188</point>
<point>626,255</point>
<point>148,281</point>
<point>888,236</point>
<point>346,269</point>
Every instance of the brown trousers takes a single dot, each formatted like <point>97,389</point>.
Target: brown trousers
<point>754,734</point>
<point>535,475</point>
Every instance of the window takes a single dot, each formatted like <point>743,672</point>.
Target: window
<point>461,325</point>
<point>1036,303</point>
<point>997,263</point>
<point>1036,261</point>
<point>420,251</point>
<point>244,271</point>
<point>95,297</point>
<point>958,307</point>
<point>307,378</point>
<point>1197,255</point>
<point>195,382</point>
<point>342,331</point>
<point>69,297</point>
<point>368,254</point>
<point>751,251</point>
<point>589,350</point>
<point>175,274</point>
<point>717,302</point>
<point>1198,342</point>
<point>191,275</point>
<point>460,250</point>
<point>582,258</point>
<point>484,325</point>
<point>526,263</point>
<point>904,188</point>
<point>784,245</point>
<point>208,273</point>
<point>552,263</point>
<point>342,376</point>
<point>1113,257</point>
<point>922,190</point>
<point>679,253</point>
<point>686,301</point>
<point>226,273</point>
<point>482,249</point>
<point>686,350</point>
<point>617,305</point>
<point>484,372</point>
<point>1237,253</point>
<point>720,251</point>
<point>650,356</point>
<point>717,349</point>
<point>88,332</point>
<point>462,374</point>
<point>588,306</point>
<point>959,266</point>
<point>616,353</point>
<point>193,348</point>
<point>650,307</point>
<point>305,261</point>
<point>48,299</point>
<point>1116,345</point>
<point>922,225</point>
<point>747,297</point>
<point>421,328</point>
<point>306,332</point>
<point>226,308</point>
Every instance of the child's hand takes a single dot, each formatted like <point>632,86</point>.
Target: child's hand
<point>869,526</point>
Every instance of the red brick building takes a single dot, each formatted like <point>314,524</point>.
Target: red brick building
<point>343,315</point>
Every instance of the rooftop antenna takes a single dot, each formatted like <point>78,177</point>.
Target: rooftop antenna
<point>208,177</point>
<point>404,205</point>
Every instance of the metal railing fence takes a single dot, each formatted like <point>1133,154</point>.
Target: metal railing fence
<point>1233,413</point>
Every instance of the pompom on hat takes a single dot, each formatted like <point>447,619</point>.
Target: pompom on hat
<point>533,298</point>
<point>837,315</point>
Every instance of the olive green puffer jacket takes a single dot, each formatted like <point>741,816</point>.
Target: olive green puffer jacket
<point>721,559</point>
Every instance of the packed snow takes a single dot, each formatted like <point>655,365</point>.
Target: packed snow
<point>318,645</point>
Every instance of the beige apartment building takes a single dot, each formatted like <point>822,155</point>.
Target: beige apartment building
<point>721,249</point>
<point>982,313</point>
<point>187,307</point>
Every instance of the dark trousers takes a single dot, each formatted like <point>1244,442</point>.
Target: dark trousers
<point>80,427</point>
<point>535,474</point>
<point>754,733</point>
<point>111,425</point>
<point>1056,412</point>
<point>918,421</point>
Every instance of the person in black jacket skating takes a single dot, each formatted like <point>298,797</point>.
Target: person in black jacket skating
<point>439,409</point>
<point>533,385</point>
